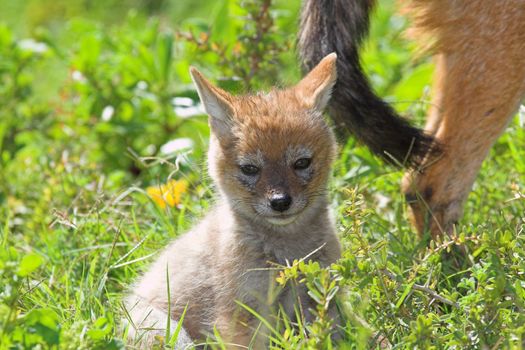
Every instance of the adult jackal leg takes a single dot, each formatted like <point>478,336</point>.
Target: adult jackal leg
<point>479,86</point>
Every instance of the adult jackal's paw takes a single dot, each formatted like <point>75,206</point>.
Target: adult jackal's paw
<point>434,205</point>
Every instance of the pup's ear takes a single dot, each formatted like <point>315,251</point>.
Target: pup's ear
<point>217,104</point>
<point>316,87</point>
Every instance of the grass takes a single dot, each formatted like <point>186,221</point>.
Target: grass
<point>78,226</point>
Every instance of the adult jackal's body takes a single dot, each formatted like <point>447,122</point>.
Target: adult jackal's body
<point>478,85</point>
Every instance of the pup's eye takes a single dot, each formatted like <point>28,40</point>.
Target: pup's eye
<point>249,170</point>
<point>302,163</point>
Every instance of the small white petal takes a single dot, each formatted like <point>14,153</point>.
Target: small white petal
<point>107,113</point>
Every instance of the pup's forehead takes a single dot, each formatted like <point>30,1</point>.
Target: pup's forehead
<point>277,124</point>
<point>281,140</point>
<point>271,104</point>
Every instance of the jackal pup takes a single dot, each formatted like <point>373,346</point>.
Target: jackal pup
<point>270,156</point>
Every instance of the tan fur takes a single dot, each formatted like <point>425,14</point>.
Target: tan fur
<point>479,83</point>
<point>226,258</point>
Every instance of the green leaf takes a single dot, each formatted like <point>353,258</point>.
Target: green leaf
<point>44,323</point>
<point>404,295</point>
<point>165,56</point>
<point>29,263</point>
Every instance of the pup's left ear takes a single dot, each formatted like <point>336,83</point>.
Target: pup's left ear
<point>316,87</point>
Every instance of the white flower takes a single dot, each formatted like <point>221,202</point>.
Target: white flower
<point>182,102</point>
<point>107,113</point>
<point>176,145</point>
<point>78,76</point>
<point>32,45</point>
<point>142,85</point>
<point>185,107</point>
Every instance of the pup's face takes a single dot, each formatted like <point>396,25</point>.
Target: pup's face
<point>270,154</point>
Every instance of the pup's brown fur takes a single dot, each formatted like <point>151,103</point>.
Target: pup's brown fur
<point>225,258</point>
<point>479,83</point>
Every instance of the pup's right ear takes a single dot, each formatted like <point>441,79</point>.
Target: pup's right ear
<point>217,104</point>
<point>316,87</point>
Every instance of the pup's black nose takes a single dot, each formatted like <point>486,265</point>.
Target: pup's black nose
<point>280,201</point>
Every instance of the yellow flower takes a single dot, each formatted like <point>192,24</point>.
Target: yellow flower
<point>281,279</point>
<point>169,193</point>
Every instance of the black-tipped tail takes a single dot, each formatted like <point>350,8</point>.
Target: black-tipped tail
<point>339,26</point>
